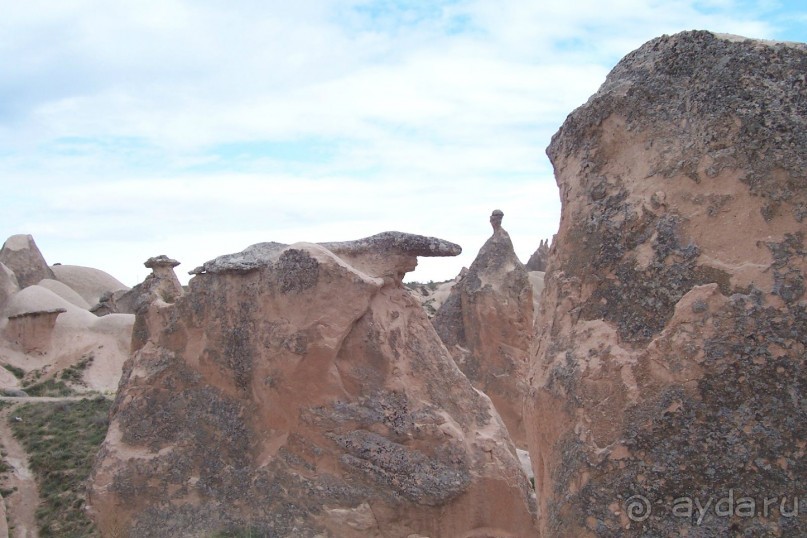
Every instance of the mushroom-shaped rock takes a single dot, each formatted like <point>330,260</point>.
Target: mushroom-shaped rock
<point>290,393</point>
<point>162,280</point>
<point>161,283</point>
<point>486,324</point>
<point>32,331</point>
<point>388,254</point>
<point>496,219</point>
<point>22,256</point>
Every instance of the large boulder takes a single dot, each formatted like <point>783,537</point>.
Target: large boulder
<point>22,256</point>
<point>301,391</point>
<point>669,373</point>
<point>486,324</point>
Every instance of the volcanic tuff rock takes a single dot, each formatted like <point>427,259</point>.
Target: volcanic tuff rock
<point>162,282</point>
<point>46,328</point>
<point>537,261</point>
<point>301,391</point>
<point>486,324</point>
<point>8,284</point>
<point>88,282</point>
<point>671,360</point>
<point>22,256</point>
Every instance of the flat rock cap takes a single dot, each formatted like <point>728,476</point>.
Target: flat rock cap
<point>383,244</point>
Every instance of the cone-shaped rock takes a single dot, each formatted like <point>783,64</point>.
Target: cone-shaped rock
<point>486,324</point>
<point>22,256</point>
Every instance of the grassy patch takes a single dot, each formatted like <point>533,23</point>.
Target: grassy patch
<point>49,387</point>
<point>61,439</point>
<point>19,373</point>
<point>75,374</point>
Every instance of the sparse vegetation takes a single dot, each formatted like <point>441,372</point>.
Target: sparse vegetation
<point>19,373</point>
<point>61,440</point>
<point>49,387</point>
<point>75,374</point>
<point>33,376</point>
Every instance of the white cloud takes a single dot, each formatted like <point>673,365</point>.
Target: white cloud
<point>120,123</point>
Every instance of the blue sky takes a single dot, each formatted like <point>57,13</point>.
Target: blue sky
<point>196,128</point>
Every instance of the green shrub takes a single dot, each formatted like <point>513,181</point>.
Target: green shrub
<point>49,387</point>
<point>19,373</point>
<point>61,439</point>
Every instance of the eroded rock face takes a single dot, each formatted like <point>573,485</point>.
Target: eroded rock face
<point>22,256</point>
<point>537,261</point>
<point>486,324</point>
<point>296,392</point>
<point>671,360</point>
<point>162,283</point>
<point>32,331</point>
<point>8,284</point>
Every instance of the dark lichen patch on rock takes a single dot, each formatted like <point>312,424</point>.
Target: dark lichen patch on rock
<point>414,475</point>
<point>690,138</point>
<point>296,271</point>
<point>742,431</point>
<point>640,301</point>
<point>735,117</point>
<point>788,281</point>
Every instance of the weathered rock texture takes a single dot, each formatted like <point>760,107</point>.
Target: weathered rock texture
<point>32,331</point>
<point>671,361</point>
<point>432,295</point>
<point>46,329</point>
<point>486,324</point>
<point>162,282</point>
<point>537,261</point>
<point>292,391</point>
<point>8,284</point>
<point>34,337</point>
<point>22,256</point>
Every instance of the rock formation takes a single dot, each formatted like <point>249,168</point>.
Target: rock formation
<point>46,328</point>
<point>670,369</point>
<point>432,295</point>
<point>32,331</point>
<point>162,282</point>
<point>31,342</point>
<point>22,256</point>
<point>537,261</point>
<point>88,282</point>
<point>301,391</point>
<point>8,284</point>
<point>486,324</point>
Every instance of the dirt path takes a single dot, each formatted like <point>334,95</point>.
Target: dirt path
<point>21,504</point>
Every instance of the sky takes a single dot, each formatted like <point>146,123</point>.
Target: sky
<point>196,128</point>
